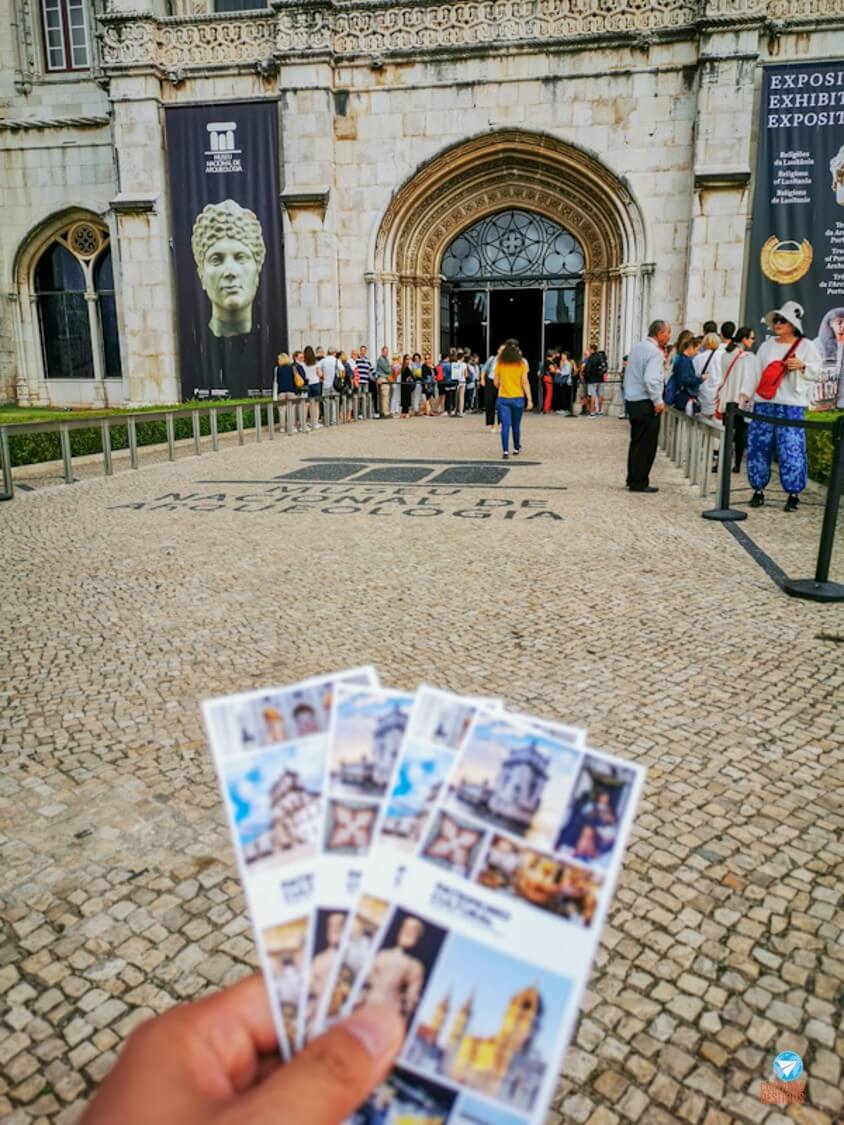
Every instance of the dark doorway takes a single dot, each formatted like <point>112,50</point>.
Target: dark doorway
<point>518,313</point>
<point>468,326</point>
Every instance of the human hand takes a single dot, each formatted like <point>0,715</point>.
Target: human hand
<point>795,364</point>
<point>216,1062</point>
<point>660,407</point>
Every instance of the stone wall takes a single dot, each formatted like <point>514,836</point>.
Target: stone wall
<point>55,154</point>
<point>664,103</point>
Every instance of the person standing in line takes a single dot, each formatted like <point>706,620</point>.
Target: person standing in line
<point>366,375</point>
<point>328,371</point>
<point>284,381</point>
<point>383,370</point>
<point>707,365</point>
<point>576,371</point>
<point>564,382</point>
<point>789,365</point>
<point>395,386</point>
<point>602,369</point>
<point>728,331</point>
<point>549,371</point>
<point>513,386</point>
<point>490,394</point>
<point>314,385</point>
<point>429,384</point>
<point>473,373</point>
<point>416,397</point>
<point>593,376</point>
<point>740,370</point>
<point>644,381</point>
<point>683,371</point>
<point>406,385</point>
<point>458,377</point>
<point>345,385</point>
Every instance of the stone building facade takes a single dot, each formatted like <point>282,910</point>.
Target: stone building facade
<point>611,141</point>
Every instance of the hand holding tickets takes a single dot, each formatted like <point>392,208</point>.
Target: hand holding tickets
<point>396,850</point>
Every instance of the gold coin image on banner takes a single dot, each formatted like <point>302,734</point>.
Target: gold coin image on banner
<point>785,261</point>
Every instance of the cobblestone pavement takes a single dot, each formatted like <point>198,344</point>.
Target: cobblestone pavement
<point>128,599</point>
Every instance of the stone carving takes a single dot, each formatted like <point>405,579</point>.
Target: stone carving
<point>20,124</point>
<point>196,39</point>
<point>492,173</point>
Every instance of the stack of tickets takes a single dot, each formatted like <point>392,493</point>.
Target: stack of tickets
<point>430,851</point>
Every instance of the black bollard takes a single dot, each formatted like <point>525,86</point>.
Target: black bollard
<point>819,588</point>
<point>724,513</point>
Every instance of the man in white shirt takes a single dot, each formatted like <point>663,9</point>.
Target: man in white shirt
<point>644,381</point>
<point>328,366</point>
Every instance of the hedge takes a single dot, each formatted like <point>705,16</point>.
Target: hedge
<point>819,446</point>
<point>33,448</point>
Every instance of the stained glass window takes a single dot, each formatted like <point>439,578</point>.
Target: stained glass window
<point>513,246</point>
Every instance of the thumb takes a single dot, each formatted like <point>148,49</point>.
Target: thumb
<point>333,1074</point>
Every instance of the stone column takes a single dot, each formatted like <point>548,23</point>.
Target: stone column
<point>390,318</point>
<point>96,346</point>
<point>371,336</point>
<point>614,290</point>
<point>628,293</point>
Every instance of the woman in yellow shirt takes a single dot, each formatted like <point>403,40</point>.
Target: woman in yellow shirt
<point>511,382</point>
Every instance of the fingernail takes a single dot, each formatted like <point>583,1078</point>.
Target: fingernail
<point>377,1026</point>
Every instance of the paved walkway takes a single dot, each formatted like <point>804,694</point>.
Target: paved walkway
<point>128,599</point>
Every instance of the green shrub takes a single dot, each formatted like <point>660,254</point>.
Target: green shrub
<point>819,446</point>
<point>33,448</point>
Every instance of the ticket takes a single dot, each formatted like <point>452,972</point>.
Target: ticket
<point>366,730</point>
<point>524,839</point>
<point>270,751</point>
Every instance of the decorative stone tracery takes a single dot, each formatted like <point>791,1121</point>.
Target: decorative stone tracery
<point>491,173</point>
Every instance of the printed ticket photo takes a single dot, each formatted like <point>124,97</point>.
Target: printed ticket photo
<point>525,837</point>
<point>270,751</point>
<point>438,723</point>
<point>367,727</point>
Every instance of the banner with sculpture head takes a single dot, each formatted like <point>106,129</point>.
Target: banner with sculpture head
<point>227,245</point>
<point>797,236</point>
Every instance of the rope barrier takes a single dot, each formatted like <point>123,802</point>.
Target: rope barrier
<point>819,588</point>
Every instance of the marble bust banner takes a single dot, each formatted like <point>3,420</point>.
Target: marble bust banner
<point>227,244</point>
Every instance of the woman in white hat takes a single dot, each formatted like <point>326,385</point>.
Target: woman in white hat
<point>788,365</point>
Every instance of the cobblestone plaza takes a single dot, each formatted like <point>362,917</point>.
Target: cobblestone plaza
<point>130,598</point>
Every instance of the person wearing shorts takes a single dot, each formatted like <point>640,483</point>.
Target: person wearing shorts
<point>314,385</point>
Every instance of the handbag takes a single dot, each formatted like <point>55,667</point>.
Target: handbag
<point>298,381</point>
<point>774,374</point>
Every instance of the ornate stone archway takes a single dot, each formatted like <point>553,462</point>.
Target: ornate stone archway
<point>494,172</point>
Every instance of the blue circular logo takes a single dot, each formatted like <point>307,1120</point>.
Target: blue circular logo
<point>787,1066</point>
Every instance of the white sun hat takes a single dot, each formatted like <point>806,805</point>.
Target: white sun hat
<point>790,311</point>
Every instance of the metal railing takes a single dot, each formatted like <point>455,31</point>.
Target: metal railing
<point>289,415</point>
<point>690,442</point>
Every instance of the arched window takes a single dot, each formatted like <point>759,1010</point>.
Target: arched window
<point>512,248</point>
<point>77,313</point>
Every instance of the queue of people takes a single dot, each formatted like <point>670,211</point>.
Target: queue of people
<point>456,384</point>
<point>703,374</point>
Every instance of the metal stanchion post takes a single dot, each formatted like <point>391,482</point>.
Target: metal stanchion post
<point>819,588</point>
<point>724,512</point>
<point>6,458</point>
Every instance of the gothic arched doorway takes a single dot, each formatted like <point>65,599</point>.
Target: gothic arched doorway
<point>508,171</point>
<point>512,273</point>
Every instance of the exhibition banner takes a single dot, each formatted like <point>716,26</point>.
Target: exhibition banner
<point>797,236</point>
<point>227,244</point>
